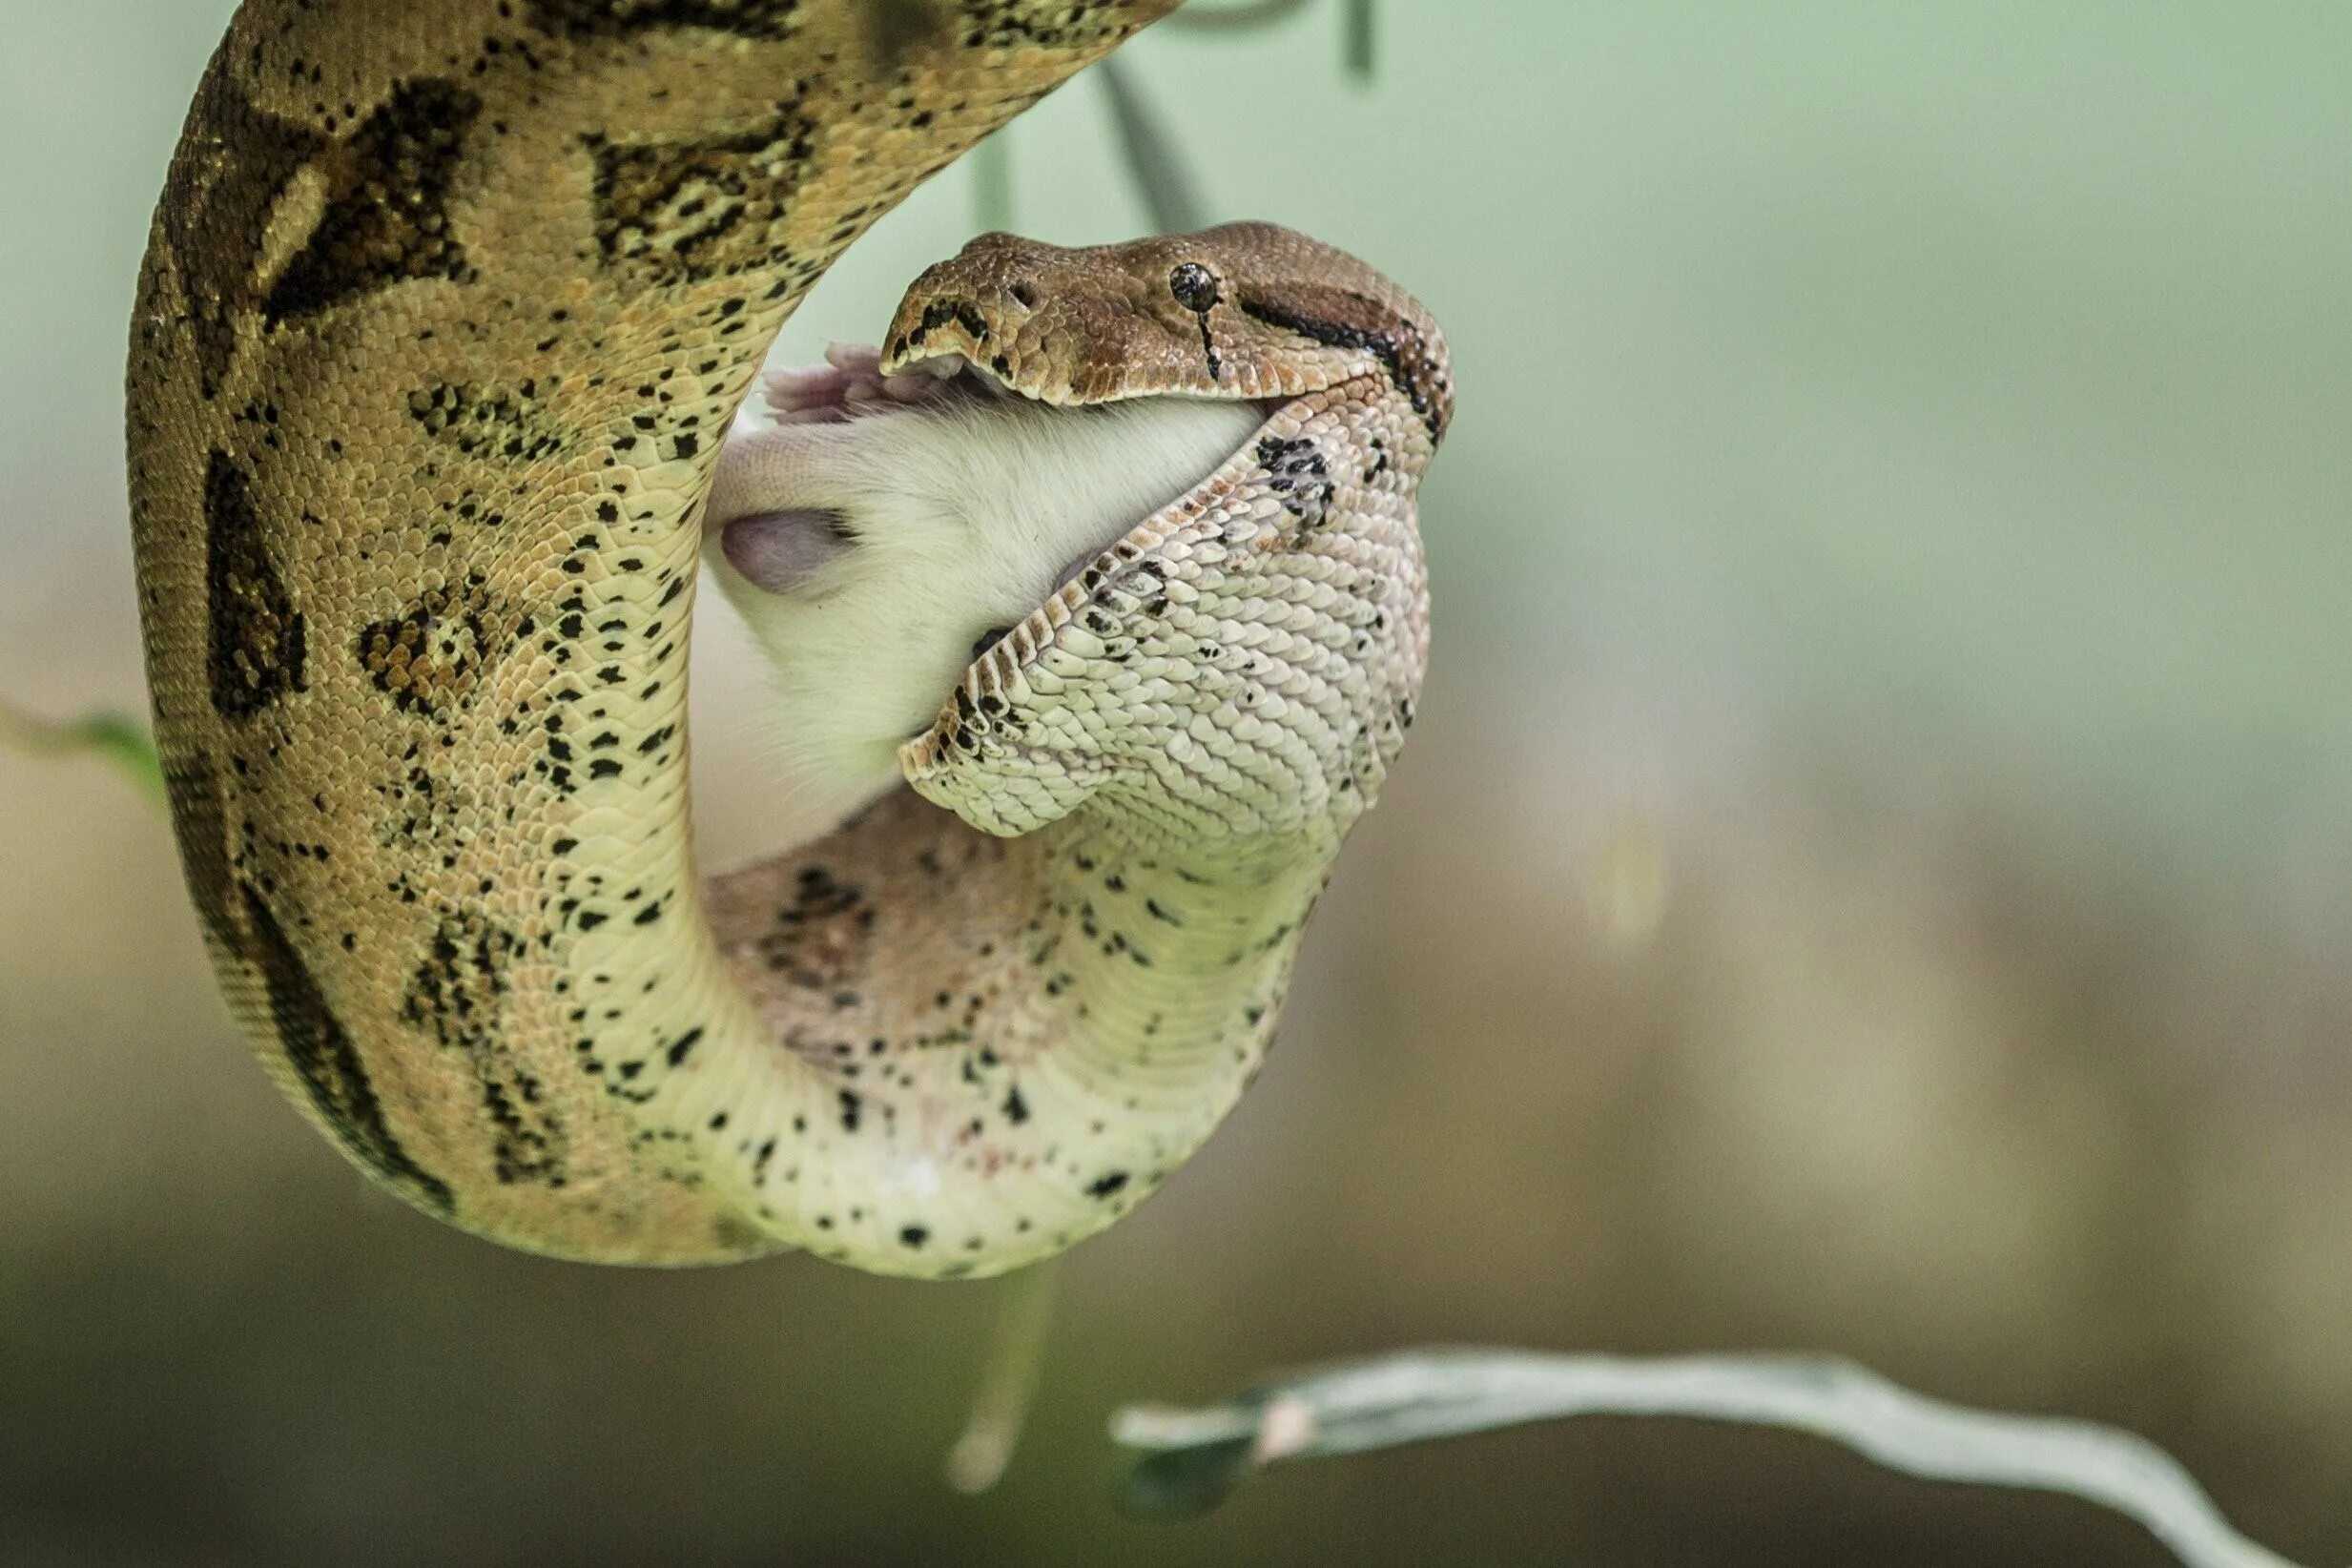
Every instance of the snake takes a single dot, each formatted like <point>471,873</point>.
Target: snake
<point>445,314</point>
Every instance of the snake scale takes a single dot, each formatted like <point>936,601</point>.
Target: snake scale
<point>447,309</point>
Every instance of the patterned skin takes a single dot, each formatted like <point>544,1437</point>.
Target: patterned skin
<point>446,310</point>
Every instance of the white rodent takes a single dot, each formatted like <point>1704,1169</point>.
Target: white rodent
<point>880,533</point>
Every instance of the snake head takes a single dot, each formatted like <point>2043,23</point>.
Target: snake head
<point>1244,662</point>
<point>1245,310</point>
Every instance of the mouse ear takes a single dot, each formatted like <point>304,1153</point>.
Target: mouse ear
<point>779,552</point>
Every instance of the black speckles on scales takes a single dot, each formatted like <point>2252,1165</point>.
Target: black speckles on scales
<point>757,19</point>
<point>1295,471</point>
<point>457,994</point>
<point>510,423</point>
<point>429,658</point>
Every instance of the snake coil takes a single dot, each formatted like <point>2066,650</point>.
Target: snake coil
<point>446,311</point>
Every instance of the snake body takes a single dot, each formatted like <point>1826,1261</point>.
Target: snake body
<point>446,308</point>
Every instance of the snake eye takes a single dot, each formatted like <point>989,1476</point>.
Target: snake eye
<point>1194,286</point>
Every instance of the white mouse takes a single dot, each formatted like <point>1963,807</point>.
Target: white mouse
<point>882,530</point>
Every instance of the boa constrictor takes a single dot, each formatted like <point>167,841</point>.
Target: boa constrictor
<point>446,308</point>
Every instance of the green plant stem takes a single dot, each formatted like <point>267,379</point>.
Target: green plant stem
<point>1008,1379</point>
<point>114,737</point>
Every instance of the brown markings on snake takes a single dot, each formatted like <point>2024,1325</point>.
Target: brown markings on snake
<point>620,18</point>
<point>430,657</point>
<point>820,940</point>
<point>458,995</point>
<point>386,219</point>
<point>688,211</point>
<point>895,28</point>
<point>1345,318</point>
<point>255,653</point>
<point>216,204</point>
<point>417,813</point>
<point>202,829</point>
<point>337,265</point>
<point>328,1065</point>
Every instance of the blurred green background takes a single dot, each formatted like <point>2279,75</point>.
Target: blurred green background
<point>1872,875</point>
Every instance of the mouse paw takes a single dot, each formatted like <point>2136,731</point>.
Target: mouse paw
<point>848,381</point>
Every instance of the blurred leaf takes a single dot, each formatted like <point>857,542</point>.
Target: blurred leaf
<point>1185,1482</point>
<point>1192,1457</point>
<point>114,737</point>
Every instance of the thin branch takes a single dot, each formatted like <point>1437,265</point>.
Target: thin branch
<point>1355,47</point>
<point>1192,1457</point>
<point>1008,1379</point>
<point>1152,156</point>
<point>992,182</point>
<point>1234,18</point>
<point>114,737</point>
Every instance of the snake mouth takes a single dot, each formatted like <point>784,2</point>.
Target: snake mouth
<point>912,379</point>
